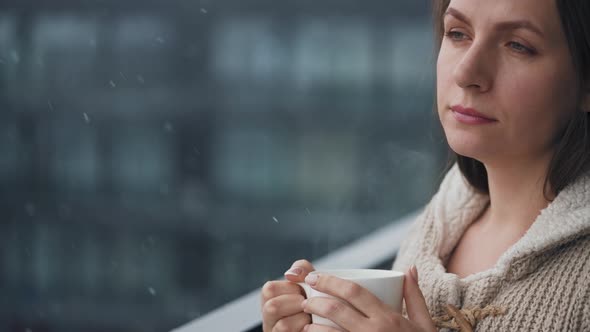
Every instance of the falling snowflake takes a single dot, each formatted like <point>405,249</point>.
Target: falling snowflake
<point>15,56</point>
<point>275,219</point>
<point>168,127</point>
<point>30,208</point>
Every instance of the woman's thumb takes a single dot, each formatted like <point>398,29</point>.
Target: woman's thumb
<point>298,271</point>
<point>415,303</point>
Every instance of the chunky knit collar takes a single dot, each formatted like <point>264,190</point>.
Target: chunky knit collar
<point>457,205</point>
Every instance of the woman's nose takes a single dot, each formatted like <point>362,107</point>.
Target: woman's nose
<point>474,69</point>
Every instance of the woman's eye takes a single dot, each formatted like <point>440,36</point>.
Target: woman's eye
<point>520,48</point>
<point>456,35</point>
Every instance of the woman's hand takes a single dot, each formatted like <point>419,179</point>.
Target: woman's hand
<point>281,301</point>
<point>357,309</point>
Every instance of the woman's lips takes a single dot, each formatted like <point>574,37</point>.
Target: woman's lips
<point>470,116</point>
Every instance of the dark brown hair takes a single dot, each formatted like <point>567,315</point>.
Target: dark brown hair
<point>572,154</point>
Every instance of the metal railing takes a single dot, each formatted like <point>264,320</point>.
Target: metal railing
<point>369,251</point>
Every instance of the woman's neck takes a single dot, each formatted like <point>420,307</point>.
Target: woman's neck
<point>516,194</point>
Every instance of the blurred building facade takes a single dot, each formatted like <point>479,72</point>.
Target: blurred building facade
<point>161,158</point>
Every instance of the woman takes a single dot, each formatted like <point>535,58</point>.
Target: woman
<point>505,243</point>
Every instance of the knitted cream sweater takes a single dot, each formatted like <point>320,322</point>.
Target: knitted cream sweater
<point>542,282</point>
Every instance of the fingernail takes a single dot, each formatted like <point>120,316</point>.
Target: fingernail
<point>303,304</point>
<point>414,272</point>
<point>294,271</point>
<point>312,279</point>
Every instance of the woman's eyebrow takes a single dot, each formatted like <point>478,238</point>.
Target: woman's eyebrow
<point>522,24</point>
<point>457,14</point>
<point>506,25</point>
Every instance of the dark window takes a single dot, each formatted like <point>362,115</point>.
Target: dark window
<point>161,158</point>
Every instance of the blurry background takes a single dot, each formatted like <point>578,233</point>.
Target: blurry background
<point>161,158</point>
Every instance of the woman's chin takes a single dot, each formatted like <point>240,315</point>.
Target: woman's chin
<point>468,148</point>
<point>466,141</point>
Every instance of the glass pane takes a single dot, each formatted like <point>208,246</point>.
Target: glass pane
<point>161,158</point>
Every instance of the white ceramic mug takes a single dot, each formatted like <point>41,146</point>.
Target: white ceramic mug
<point>387,285</point>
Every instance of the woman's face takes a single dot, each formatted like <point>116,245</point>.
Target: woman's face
<point>508,61</point>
